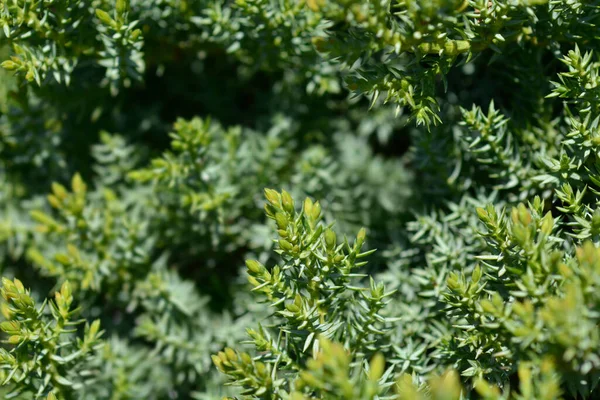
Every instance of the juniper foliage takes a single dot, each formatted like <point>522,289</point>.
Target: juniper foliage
<point>459,138</point>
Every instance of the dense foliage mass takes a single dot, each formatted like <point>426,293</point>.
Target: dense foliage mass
<point>300,199</point>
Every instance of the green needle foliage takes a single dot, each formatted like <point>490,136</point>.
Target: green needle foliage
<point>459,138</point>
<point>41,360</point>
<point>314,299</point>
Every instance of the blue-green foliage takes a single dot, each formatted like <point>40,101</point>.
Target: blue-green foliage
<point>459,138</point>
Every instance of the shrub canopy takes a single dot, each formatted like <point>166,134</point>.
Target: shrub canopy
<point>300,199</point>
